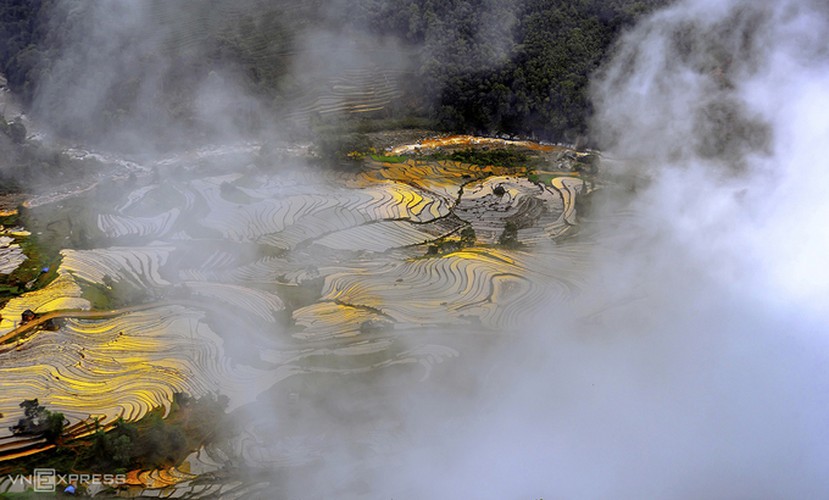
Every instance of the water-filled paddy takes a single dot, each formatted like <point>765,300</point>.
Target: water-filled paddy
<point>239,283</point>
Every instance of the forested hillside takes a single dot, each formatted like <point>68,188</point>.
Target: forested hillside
<point>487,66</point>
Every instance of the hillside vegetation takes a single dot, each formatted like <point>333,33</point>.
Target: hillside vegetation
<point>465,65</point>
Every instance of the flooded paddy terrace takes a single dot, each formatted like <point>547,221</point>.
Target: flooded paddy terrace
<point>202,282</point>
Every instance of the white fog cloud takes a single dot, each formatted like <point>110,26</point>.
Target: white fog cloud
<point>693,364</point>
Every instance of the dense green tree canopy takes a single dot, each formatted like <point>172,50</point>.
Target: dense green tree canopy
<point>519,67</point>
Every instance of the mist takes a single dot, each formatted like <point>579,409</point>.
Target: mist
<point>692,360</point>
<point>148,78</point>
<point>705,374</point>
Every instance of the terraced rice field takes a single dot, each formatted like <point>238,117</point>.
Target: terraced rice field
<point>11,255</point>
<point>353,92</point>
<point>234,283</point>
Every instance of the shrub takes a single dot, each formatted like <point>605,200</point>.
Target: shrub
<point>509,238</point>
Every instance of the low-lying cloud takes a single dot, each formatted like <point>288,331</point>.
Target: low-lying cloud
<point>693,364</point>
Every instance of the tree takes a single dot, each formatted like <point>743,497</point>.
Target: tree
<point>468,237</point>
<point>37,420</point>
<point>121,450</point>
<point>55,422</point>
<point>509,238</point>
